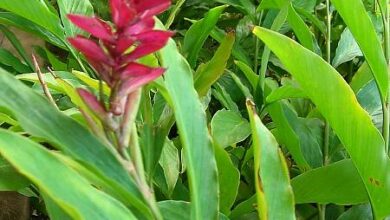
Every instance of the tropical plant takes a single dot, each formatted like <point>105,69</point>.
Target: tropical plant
<point>271,109</point>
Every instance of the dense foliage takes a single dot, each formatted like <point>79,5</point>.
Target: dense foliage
<point>219,109</point>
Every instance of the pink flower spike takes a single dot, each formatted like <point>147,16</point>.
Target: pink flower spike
<point>123,44</point>
<point>94,26</point>
<point>133,83</point>
<point>122,12</point>
<point>93,104</point>
<point>150,8</point>
<point>150,42</point>
<point>144,25</point>
<point>135,70</point>
<point>91,50</point>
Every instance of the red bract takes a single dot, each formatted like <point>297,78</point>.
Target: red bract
<point>117,46</point>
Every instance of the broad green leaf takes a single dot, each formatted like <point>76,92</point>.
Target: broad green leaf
<point>229,128</point>
<point>274,193</point>
<point>338,183</point>
<point>37,12</point>
<point>229,179</point>
<point>80,7</point>
<point>359,23</point>
<point>347,49</point>
<point>179,210</point>
<point>348,119</point>
<point>283,117</point>
<point>191,123</point>
<point>285,92</point>
<point>359,212</point>
<point>198,33</point>
<point>210,72</point>
<point>10,179</point>
<point>245,207</point>
<point>299,27</point>
<point>62,184</point>
<point>53,210</point>
<point>46,122</point>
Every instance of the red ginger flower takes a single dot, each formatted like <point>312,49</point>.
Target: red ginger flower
<point>130,37</point>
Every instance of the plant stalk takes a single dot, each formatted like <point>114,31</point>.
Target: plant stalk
<point>386,102</point>
<point>386,109</point>
<point>322,208</point>
<point>328,50</point>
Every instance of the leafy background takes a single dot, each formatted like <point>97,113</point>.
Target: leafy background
<point>275,110</point>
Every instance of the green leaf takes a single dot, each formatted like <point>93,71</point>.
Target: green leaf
<point>245,207</point>
<point>347,49</point>
<point>359,23</point>
<point>80,7</point>
<point>245,6</point>
<point>29,26</point>
<point>37,12</point>
<point>283,117</point>
<point>299,27</point>
<point>274,193</point>
<point>238,52</point>
<point>338,183</point>
<point>348,119</point>
<point>229,179</point>
<point>67,135</point>
<point>191,123</point>
<point>198,33</point>
<point>286,91</point>
<point>210,72</point>
<point>369,98</point>
<point>10,179</point>
<point>170,163</point>
<point>360,212</point>
<point>302,31</point>
<point>179,210</point>
<point>17,45</point>
<point>250,75</point>
<point>62,184</point>
<point>8,59</point>
<point>229,128</point>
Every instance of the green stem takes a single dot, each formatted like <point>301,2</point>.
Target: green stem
<point>321,212</point>
<point>257,46</point>
<point>386,109</point>
<point>386,102</point>
<point>328,44</point>
<point>146,191</point>
<point>322,208</point>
